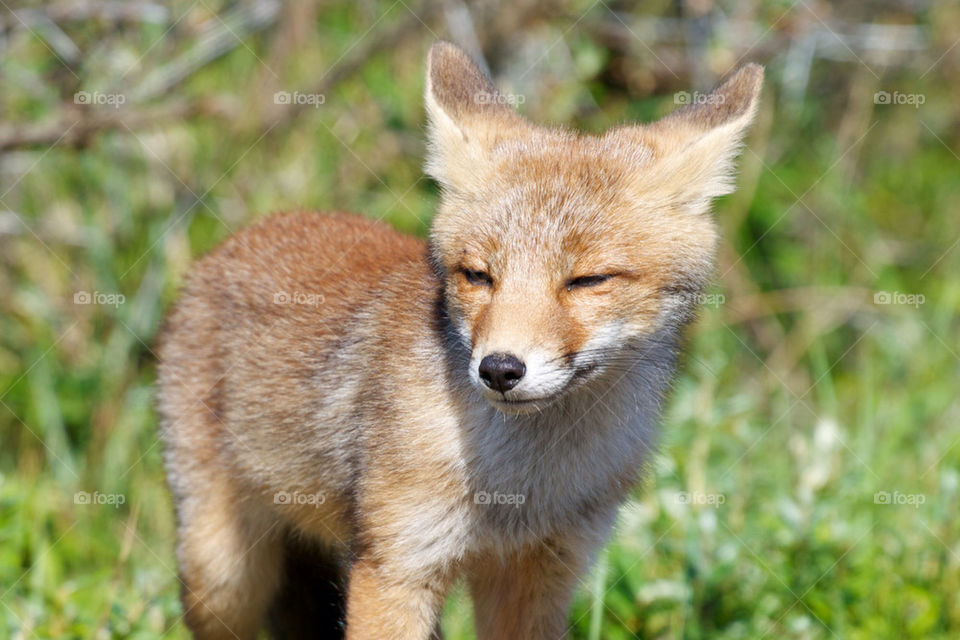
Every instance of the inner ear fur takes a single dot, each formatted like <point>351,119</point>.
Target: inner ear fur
<point>695,146</point>
<point>458,86</point>
<point>733,102</point>
<point>466,116</point>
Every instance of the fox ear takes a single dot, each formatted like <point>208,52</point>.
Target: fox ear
<point>466,117</point>
<point>698,143</point>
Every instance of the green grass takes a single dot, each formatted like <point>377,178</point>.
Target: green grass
<point>799,400</point>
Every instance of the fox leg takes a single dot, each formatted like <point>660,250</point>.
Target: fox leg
<point>230,555</point>
<point>384,604</point>
<point>528,595</point>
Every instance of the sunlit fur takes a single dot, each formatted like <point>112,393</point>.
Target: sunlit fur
<point>372,397</point>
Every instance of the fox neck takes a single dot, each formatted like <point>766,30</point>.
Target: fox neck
<point>579,456</point>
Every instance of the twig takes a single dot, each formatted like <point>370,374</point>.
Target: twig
<point>76,126</point>
<point>355,59</point>
<point>83,10</point>
<point>800,299</point>
<point>224,34</point>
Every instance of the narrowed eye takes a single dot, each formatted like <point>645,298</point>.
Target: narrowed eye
<point>586,281</point>
<point>478,278</point>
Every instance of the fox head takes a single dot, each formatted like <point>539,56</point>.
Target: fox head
<point>561,252</point>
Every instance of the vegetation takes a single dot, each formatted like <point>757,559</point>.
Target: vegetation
<point>807,484</point>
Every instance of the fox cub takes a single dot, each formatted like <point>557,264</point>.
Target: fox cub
<point>355,418</point>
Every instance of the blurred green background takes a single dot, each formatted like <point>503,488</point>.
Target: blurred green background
<point>807,483</point>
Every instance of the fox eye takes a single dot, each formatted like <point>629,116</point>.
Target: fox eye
<point>586,281</point>
<point>478,278</point>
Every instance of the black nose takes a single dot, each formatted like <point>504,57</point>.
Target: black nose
<point>501,371</point>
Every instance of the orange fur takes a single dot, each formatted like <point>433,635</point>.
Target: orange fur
<point>474,406</point>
